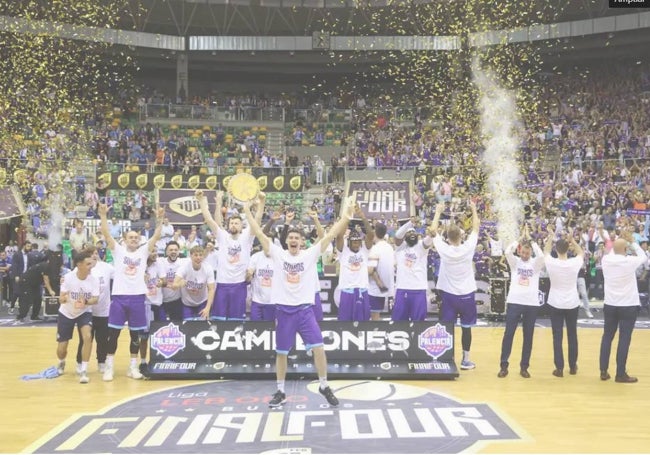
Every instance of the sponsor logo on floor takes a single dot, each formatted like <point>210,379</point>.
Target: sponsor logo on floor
<point>234,417</point>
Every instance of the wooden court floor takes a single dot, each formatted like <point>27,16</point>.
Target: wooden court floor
<point>574,414</point>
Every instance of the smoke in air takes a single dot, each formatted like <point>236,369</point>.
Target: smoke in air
<point>499,129</point>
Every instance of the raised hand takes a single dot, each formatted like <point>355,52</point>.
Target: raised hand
<point>160,213</point>
<point>102,209</point>
<point>198,194</point>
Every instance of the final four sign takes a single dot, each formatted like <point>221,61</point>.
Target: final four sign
<point>234,417</point>
<point>383,199</point>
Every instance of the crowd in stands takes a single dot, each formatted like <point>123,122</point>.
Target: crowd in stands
<point>597,129</point>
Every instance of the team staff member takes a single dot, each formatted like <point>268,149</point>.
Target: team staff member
<point>293,293</point>
<point>20,262</point>
<point>79,291</point>
<point>456,281</point>
<point>522,299</point>
<point>621,304</point>
<point>563,297</point>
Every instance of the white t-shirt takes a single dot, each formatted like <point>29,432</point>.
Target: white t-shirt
<point>620,277</point>
<point>195,291</point>
<point>169,270</point>
<point>78,289</point>
<point>382,257</point>
<point>294,283</point>
<point>262,280</point>
<point>456,275</point>
<point>154,294</point>
<point>353,273</point>
<point>564,281</point>
<point>129,270</point>
<point>411,266</point>
<point>104,274</point>
<point>524,276</point>
<point>233,256</point>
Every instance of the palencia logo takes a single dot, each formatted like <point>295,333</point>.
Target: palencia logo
<point>233,417</point>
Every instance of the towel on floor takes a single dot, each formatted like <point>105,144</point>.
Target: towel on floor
<point>48,373</point>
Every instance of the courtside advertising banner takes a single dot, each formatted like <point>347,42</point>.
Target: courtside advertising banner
<point>357,350</point>
<point>149,181</point>
<point>383,199</point>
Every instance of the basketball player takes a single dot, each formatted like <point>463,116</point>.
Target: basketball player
<point>563,297</point>
<point>79,290</point>
<point>411,274</point>
<point>172,306</point>
<point>154,278</point>
<point>129,289</point>
<point>381,272</point>
<point>234,252</point>
<point>522,300</point>
<point>353,274</point>
<point>293,293</point>
<point>195,279</point>
<point>621,303</point>
<point>456,282</point>
<point>260,276</point>
<point>104,274</point>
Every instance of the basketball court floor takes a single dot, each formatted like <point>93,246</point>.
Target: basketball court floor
<point>477,412</point>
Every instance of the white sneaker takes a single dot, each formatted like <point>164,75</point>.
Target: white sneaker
<point>108,374</point>
<point>101,367</point>
<point>590,315</point>
<point>79,370</point>
<point>83,378</point>
<point>134,372</point>
<point>60,367</point>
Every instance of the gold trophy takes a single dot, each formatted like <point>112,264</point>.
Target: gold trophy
<point>243,188</point>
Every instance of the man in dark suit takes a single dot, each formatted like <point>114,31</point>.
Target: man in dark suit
<point>19,264</point>
<point>147,231</point>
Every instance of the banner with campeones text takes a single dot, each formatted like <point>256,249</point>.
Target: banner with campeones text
<point>355,350</point>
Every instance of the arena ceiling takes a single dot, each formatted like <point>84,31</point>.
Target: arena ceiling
<point>345,17</point>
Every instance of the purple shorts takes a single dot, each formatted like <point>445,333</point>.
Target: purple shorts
<point>230,302</point>
<point>318,307</point>
<point>377,304</point>
<point>262,311</point>
<point>127,308</point>
<point>291,320</point>
<point>410,305</point>
<point>354,305</point>
<point>458,305</point>
<point>192,313</point>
